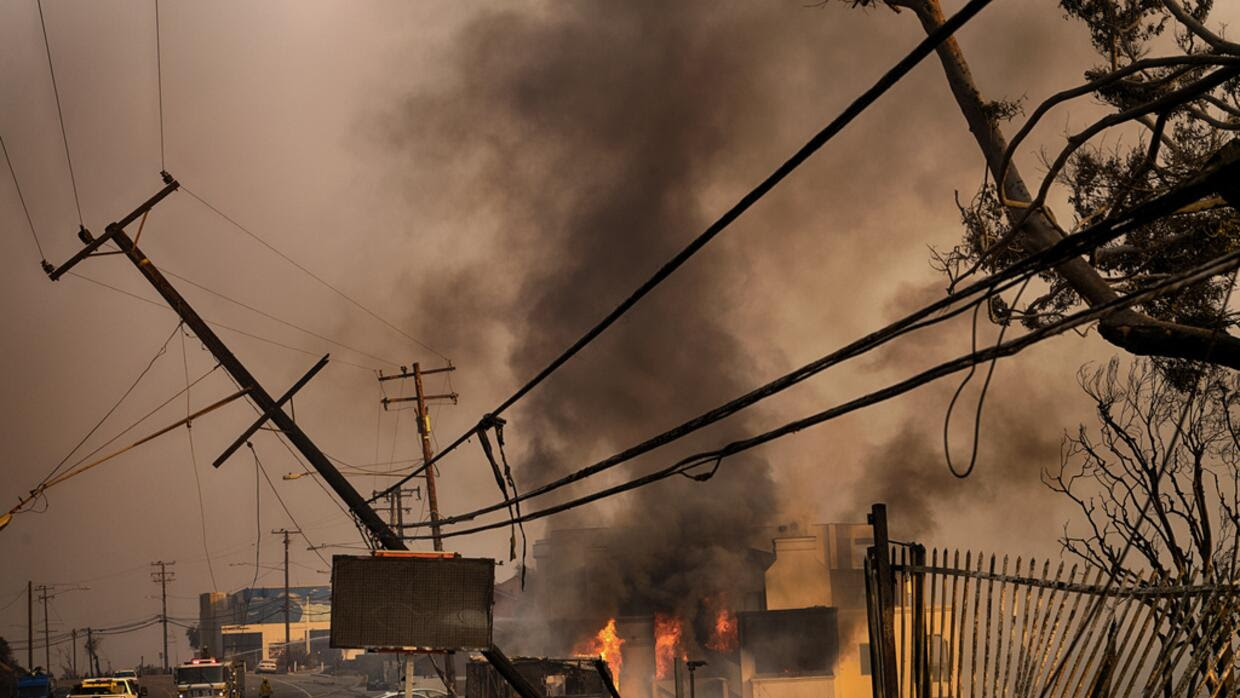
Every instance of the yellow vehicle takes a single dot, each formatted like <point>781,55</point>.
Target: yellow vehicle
<point>103,687</point>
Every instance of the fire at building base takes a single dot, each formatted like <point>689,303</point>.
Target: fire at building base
<point>789,622</point>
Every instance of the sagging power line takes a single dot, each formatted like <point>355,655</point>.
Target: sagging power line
<point>923,49</point>
<point>1218,177</point>
<point>711,460</point>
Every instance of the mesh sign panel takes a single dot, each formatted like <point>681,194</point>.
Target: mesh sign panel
<point>427,603</point>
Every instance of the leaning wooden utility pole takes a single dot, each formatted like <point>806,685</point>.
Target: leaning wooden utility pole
<point>269,408</point>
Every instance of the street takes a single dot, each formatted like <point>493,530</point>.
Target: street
<point>306,686</point>
<point>303,685</point>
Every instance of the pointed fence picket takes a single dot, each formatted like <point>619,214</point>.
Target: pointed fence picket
<point>972,625</point>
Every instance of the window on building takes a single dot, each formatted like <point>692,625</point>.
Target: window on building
<point>792,642</point>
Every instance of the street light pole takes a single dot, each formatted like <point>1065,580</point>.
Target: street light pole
<point>692,667</point>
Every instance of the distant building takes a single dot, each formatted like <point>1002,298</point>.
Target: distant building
<point>249,624</point>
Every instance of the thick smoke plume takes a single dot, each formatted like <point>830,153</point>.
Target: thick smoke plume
<point>591,136</point>
<point>577,151</point>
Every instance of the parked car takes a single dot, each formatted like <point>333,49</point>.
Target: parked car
<point>267,666</point>
<point>125,674</point>
<point>101,687</point>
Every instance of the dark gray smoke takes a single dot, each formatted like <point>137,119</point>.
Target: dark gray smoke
<point>592,135</point>
<point>578,149</point>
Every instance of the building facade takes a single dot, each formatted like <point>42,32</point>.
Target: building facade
<point>249,625</point>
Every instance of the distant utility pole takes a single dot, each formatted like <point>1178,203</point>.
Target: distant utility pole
<point>162,577</point>
<point>396,506</point>
<point>29,625</point>
<point>287,635</point>
<point>44,595</point>
<point>74,665</point>
<point>424,429</point>
<point>92,657</point>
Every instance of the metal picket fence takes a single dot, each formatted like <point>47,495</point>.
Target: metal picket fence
<point>951,624</point>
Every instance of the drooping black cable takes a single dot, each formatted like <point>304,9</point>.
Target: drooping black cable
<point>60,114</point>
<point>1223,264</point>
<point>981,398</point>
<point>284,506</point>
<point>312,275</point>
<point>22,199</point>
<point>859,105</point>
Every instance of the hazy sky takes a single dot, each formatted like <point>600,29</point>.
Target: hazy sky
<point>361,139</point>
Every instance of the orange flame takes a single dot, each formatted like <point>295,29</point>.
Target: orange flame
<point>606,644</point>
<point>723,635</point>
<point>667,631</point>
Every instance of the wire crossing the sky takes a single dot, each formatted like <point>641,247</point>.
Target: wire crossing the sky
<point>286,323</point>
<point>1222,264</point>
<point>61,115</point>
<point>943,309</point>
<point>22,199</point>
<point>314,276</point>
<point>215,324</point>
<point>859,105</point>
<point>159,84</point>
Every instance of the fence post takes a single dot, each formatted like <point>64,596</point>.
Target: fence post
<point>921,659</point>
<point>883,645</point>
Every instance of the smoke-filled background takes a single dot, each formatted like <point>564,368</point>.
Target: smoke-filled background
<point>493,179</point>
<point>611,134</point>
<point>605,124</point>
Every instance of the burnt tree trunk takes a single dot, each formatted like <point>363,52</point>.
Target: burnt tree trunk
<point>1128,329</point>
